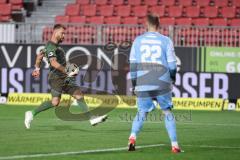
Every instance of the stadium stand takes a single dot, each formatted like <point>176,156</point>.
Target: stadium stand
<point>106,10</point>
<point>185,2</point>
<point>72,10</point>
<point>101,2</point>
<point>16,4</point>
<point>9,8</point>
<point>5,13</point>
<point>77,19</point>
<point>176,13</point>
<point>192,11</point>
<point>151,2</point>
<point>96,20</point>
<point>201,22</point>
<point>123,11</point>
<point>159,10</point>
<point>171,12</point>
<point>228,12</point>
<point>178,9</point>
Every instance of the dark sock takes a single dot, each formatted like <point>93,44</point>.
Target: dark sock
<point>44,106</point>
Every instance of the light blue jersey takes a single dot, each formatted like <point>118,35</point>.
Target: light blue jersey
<point>155,49</point>
<point>152,69</point>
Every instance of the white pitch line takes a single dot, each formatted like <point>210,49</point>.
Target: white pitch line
<point>76,152</point>
<point>107,150</point>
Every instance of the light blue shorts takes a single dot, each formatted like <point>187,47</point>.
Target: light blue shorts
<point>146,103</point>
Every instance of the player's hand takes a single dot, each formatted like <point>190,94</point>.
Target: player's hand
<point>173,75</point>
<point>36,73</point>
<point>173,79</point>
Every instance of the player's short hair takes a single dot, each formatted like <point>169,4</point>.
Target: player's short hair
<point>58,26</point>
<point>153,20</point>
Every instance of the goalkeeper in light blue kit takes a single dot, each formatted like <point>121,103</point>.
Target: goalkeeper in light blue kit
<point>153,70</point>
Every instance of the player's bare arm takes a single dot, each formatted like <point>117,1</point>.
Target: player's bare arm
<point>36,71</point>
<point>54,63</point>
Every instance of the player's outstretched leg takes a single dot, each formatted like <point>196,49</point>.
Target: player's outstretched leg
<point>136,127</point>
<point>171,129</point>
<point>94,120</point>
<point>44,106</point>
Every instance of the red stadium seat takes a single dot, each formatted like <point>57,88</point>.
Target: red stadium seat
<point>183,21</point>
<point>101,2</point>
<point>219,22</point>
<point>62,19</point>
<point>151,2</point>
<point>158,10</point>
<point>167,21</point>
<point>168,2</point>
<point>116,2</point>
<point>202,2</point>
<point>130,20</point>
<point>5,9</point>
<point>77,19</point>
<point>221,3</point>
<point>84,34</point>
<point>185,2</point>
<point>235,22</point>
<point>113,20</point>
<point>193,11</point>
<point>175,11</point>
<point>89,10</point>
<point>201,22</point>
<point>3,1</point>
<point>70,34</point>
<point>236,3</point>
<point>134,2</point>
<point>96,20</point>
<point>72,10</point>
<point>47,32</point>
<point>106,10</point>
<point>140,11</point>
<point>211,12</point>
<point>228,12</point>
<point>142,20</point>
<point>5,18</point>
<point>16,4</point>
<point>123,11</point>
<point>83,2</point>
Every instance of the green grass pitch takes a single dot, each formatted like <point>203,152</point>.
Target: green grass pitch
<point>201,134</point>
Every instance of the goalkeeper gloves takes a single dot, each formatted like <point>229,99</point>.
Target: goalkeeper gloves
<point>134,82</point>
<point>173,74</point>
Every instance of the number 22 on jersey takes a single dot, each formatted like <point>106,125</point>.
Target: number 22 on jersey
<point>151,54</point>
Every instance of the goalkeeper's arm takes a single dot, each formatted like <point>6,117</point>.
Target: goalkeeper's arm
<point>171,59</point>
